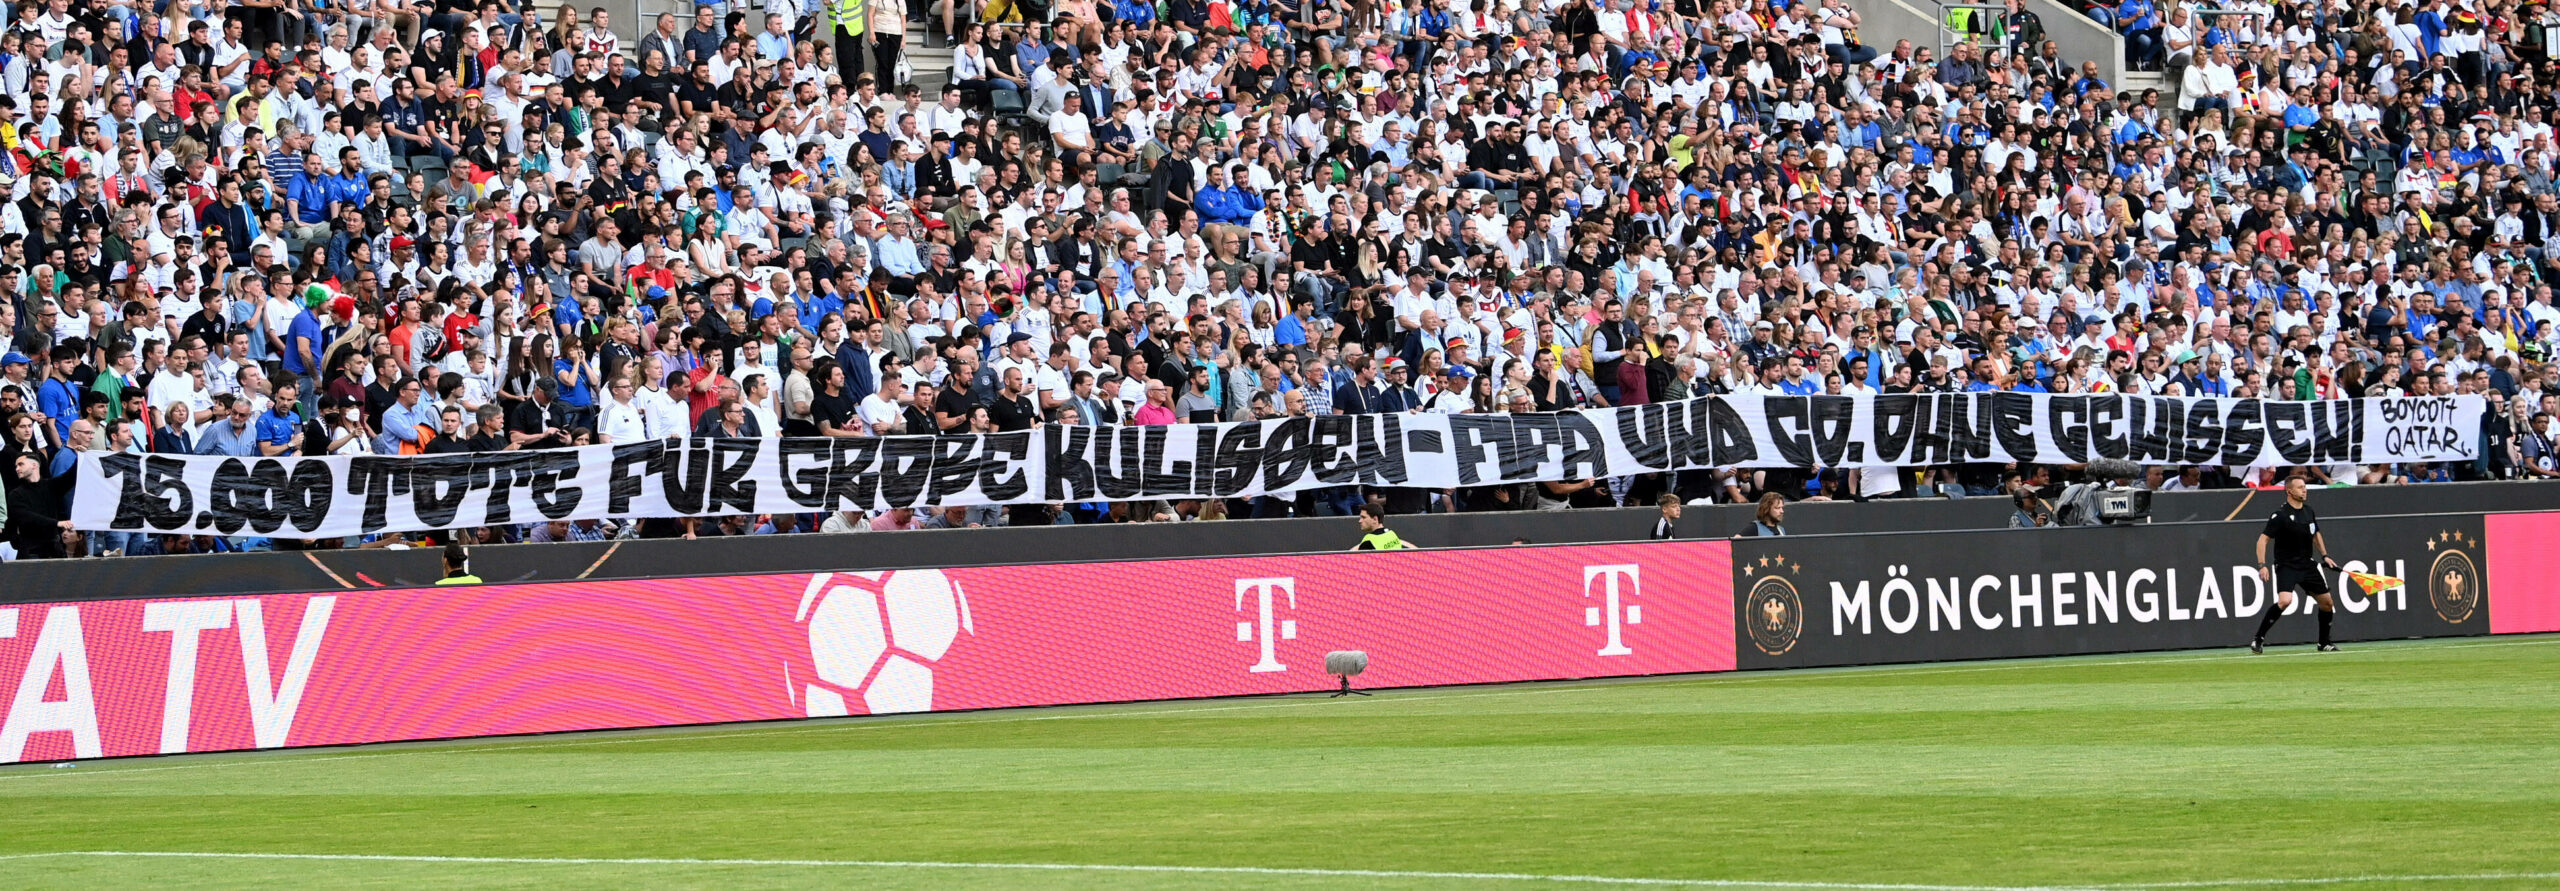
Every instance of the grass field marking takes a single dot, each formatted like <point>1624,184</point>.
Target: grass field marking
<point>423,747</point>
<point>1137,710</point>
<point>1088,712</point>
<point>1064,867</point>
<point>2336,880</point>
<point>1313,872</point>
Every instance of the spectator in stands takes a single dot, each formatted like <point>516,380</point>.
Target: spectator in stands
<point>1771,517</point>
<point>2326,203</point>
<point>236,435</point>
<point>542,422</point>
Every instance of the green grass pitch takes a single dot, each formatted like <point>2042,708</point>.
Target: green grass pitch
<point>2421,765</point>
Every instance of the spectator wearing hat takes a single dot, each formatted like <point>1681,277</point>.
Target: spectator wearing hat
<point>1396,394</point>
<point>2186,379</point>
<point>1452,396</point>
<point>1760,348</point>
<point>543,421</point>
<point>14,368</point>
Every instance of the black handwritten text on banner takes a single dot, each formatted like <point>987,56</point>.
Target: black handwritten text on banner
<point>333,496</point>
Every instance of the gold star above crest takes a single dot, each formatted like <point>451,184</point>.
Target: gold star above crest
<point>1748,569</point>
<point>2431,544</point>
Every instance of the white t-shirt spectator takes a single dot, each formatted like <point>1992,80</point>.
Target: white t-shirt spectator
<point>623,422</point>
<point>876,411</point>
<point>666,416</point>
<point>1072,129</point>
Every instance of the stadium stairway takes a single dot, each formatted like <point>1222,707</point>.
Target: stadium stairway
<point>931,64</point>
<point>2135,82</point>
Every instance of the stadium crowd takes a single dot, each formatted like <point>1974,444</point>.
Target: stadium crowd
<point>291,227</point>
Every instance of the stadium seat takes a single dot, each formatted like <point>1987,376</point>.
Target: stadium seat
<point>1008,108</point>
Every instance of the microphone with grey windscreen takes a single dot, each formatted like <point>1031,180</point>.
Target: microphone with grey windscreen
<point>1343,664</point>
<point>2113,469</point>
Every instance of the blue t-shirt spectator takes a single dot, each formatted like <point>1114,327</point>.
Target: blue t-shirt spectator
<point>277,427</point>
<point>566,312</point>
<point>350,189</point>
<point>304,334</point>
<point>59,400</point>
<point>220,438</point>
<point>310,196</point>
<point>577,391</point>
<point>2137,15</point>
<point>1030,54</point>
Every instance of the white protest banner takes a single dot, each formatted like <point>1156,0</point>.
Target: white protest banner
<point>337,496</point>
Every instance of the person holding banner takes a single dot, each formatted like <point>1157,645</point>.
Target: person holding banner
<point>2292,556</point>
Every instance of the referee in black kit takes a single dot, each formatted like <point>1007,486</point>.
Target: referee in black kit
<point>2292,548</point>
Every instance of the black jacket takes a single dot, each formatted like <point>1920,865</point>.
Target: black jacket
<point>35,510</point>
<point>1170,184</point>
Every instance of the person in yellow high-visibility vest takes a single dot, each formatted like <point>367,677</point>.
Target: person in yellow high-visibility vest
<point>457,566</point>
<point>1374,534</point>
<point>849,20</point>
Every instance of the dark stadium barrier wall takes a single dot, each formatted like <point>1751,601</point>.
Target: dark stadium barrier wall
<point>264,573</point>
<point>2524,573</point>
<point>1840,600</point>
<point>135,677</point>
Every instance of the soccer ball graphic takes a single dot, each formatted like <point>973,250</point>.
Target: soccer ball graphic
<point>875,635</point>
